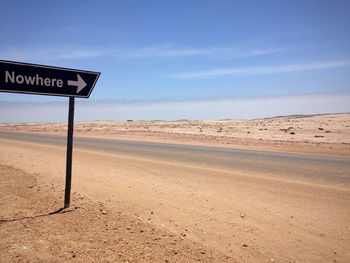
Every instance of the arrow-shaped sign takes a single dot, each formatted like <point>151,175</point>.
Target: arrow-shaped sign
<point>80,83</point>
<point>46,80</point>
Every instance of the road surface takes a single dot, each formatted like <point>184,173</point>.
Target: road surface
<point>307,167</point>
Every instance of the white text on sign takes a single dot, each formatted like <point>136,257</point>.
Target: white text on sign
<point>32,80</point>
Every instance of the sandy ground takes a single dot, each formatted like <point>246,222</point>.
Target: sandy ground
<point>33,229</point>
<point>324,134</point>
<point>128,209</point>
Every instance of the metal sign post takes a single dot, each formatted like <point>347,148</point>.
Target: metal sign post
<point>27,78</point>
<point>69,152</point>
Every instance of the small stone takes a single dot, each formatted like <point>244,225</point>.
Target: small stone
<point>104,212</point>
<point>242,215</point>
<point>244,245</point>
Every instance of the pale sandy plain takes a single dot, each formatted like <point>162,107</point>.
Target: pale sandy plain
<point>128,209</point>
<point>326,134</point>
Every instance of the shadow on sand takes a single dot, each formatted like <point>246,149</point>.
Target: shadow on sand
<point>59,211</point>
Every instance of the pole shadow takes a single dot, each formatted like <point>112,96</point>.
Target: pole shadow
<point>62,210</point>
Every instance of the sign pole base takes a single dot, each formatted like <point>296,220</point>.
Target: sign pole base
<point>69,152</point>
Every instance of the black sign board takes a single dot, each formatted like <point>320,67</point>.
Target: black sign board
<point>46,80</point>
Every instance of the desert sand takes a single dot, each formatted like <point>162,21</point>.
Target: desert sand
<point>325,134</point>
<point>32,229</point>
<point>132,209</point>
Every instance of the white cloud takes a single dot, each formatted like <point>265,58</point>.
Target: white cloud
<point>226,108</point>
<point>159,51</point>
<point>49,54</point>
<point>216,52</point>
<point>260,70</point>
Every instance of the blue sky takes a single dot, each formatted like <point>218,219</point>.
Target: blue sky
<point>153,53</point>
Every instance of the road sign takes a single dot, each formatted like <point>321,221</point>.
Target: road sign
<point>46,80</point>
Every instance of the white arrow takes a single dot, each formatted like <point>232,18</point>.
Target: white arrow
<point>80,83</point>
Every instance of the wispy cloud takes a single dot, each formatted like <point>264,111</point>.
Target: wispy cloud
<point>156,51</point>
<point>260,70</point>
<point>214,52</point>
<point>48,53</point>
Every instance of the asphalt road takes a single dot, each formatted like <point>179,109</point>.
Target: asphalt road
<point>319,169</point>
